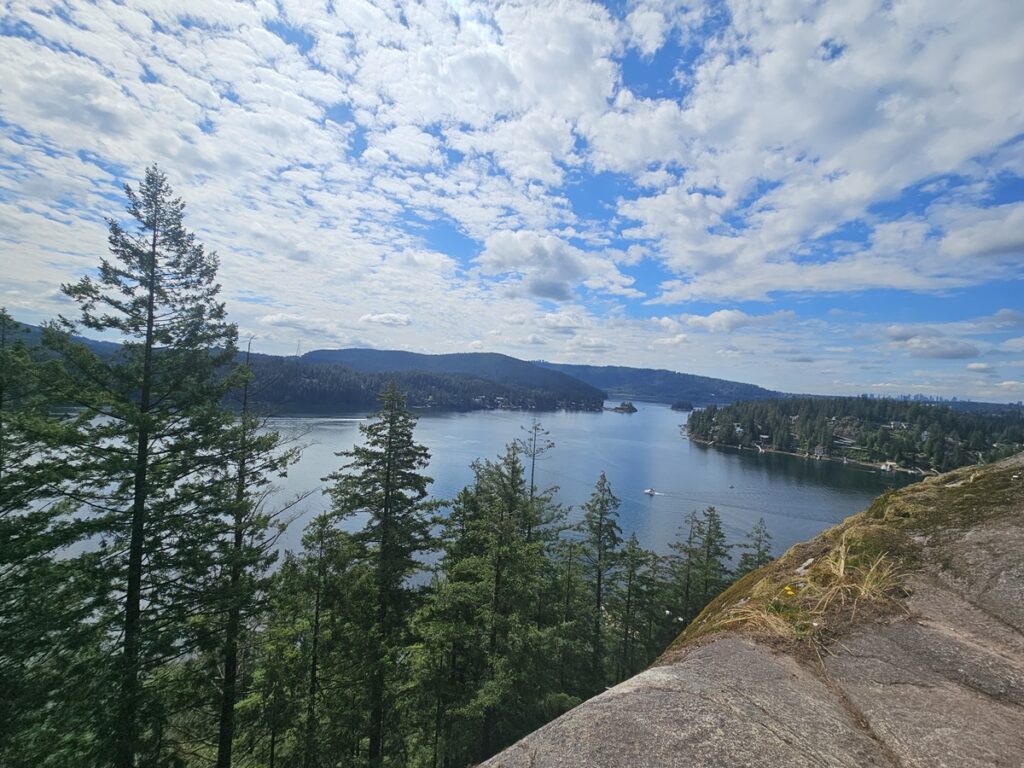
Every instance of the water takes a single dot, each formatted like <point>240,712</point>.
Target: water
<point>797,497</point>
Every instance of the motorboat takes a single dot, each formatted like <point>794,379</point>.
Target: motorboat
<point>649,491</point>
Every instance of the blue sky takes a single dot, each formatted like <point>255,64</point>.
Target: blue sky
<point>823,197</point>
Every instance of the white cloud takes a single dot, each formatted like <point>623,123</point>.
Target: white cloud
<point>936,347</point>
<point>989,233</point>
<point>671,341</point>
<point>546,267</point>
<point>647,29</point>
<point>390,319</point>
<point>730,320</point>
<point>1013,345</point>
<point>437,161</point>
<point>913,93</point>
<point>298,323</point>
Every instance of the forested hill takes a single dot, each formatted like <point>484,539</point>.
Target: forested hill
<point>498,369</point>
<point>315,384</point>
<point>913,434</point>
<point>661,385</point>
<point>342,380</point>
<point>32,335</point>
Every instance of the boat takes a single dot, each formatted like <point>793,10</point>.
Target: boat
<point>649,491</point>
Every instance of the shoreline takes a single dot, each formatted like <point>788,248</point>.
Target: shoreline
<point>848,461</point>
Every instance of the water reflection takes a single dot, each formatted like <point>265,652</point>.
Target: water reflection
<point>797,497</point>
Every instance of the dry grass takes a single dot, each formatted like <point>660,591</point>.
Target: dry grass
<point>846,575</point>
<point>858,567</point>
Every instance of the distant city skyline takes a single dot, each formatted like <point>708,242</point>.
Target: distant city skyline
<point>822,197</point>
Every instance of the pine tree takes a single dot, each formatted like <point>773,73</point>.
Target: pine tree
<point>603,538</point>
<point>307,703</point>
<point>147,441</point>
<point>383,480</point>
<point>21,404</point>
<point>630,605</point>
<point>713,570</point>
<point>684,566</point>
<point>40,598</point>
<point>486,669</point>
<point>450,661</point>
<point>536,443</point>
<point>758,549</point>
<point>253,456</point>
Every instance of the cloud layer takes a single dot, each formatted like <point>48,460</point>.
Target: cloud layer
<point>691,187</point>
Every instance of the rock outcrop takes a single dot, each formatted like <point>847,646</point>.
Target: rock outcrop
<point>895,639</point>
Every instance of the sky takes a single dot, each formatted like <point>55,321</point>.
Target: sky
<point>815,197</point>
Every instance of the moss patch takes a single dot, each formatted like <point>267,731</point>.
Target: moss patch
<point>857,568</point>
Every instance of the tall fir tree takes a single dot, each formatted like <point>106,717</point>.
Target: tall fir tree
<point>148,434</point>
<point>253,456</point>
<point>487,661</point>
<point>630,606</point>
<point>533,447</point>
<point>757,549</point>
<point>713,565</point>
<point>40,599</point>
<point>684,565</point>
<point>383,479</point>
<point>602,541</point>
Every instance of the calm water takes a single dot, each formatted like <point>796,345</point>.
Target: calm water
<point>797,497</point>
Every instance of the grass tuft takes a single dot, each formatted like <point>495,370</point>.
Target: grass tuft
<point>860,565</point>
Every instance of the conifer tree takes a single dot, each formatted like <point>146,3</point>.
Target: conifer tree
<point>758,549</point>
<point>253,456</point>
<point>307,701</point>
<point>684,565</point>
<point>536,443</point>
<point>383,480</point>
<point>21,403</point>
<point>714,557</point>
<point>603,538</point>
<point>630,604</point>
<point>39,598</point>
<point>147,441</point>
<point>487,664</point>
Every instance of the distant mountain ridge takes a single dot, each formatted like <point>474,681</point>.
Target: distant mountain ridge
<point>475,380</point>
<point>348,380</point>
<point>661,385</point>
<point>488,366</point>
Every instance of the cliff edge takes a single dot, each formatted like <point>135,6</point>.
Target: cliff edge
<point>893,639</point>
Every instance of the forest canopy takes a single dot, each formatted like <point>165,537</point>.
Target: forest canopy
<point>147,617</point>
<point>914,434</point>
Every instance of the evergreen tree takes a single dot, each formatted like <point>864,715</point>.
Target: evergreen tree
<point>631,605</point>
<point>40,595</point>
<point>758,549</point>
<point>684,566</point>
<point>713,564</point>
<point>536,443</point>
<point>147,440</point>
<point>307,703</point>
<point>487,664</point>
<point>383,480</point>
<point>603,538</point>
<point>253,455</point>
<point>24,404</point>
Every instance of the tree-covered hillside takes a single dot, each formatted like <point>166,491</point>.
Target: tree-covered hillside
<point>661,385</point>
<point>343,380</point>
<point>301,385</point>
<point>499,369</point>
<point>911,433</point>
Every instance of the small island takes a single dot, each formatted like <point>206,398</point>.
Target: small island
<point>682,405</point>
<point>624,407</point>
